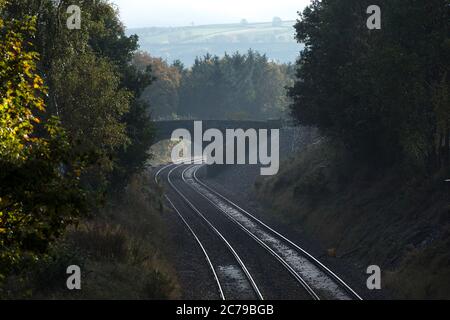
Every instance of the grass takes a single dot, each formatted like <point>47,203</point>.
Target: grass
<point>265,32</point>
<point>187,43</point>
<point>119,251</point>
<point>424,272</point>
<point>393,218</point>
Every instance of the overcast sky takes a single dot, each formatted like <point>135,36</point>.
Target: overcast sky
<point>149,13</point>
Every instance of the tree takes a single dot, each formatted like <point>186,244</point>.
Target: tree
<point>93,113</point>
<point>39,175</point>
<point>162,94</point>
<point>62,145</point>
<point>372,89</point>
<point>238,86</point>
<point>101,46</point>
<point>108,39</point>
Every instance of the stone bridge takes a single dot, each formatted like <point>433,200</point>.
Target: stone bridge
<point>291,138</point>
<point>164,129</point>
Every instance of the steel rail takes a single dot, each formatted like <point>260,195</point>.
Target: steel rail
<point>217,232</point>
<point>202,247</point>
<point>282,261</point>
<point>309,256</point>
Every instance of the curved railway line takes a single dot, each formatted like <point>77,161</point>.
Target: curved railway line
<point>237,279</point>
<point>235,242</point>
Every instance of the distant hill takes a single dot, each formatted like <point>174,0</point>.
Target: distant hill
<point>186,43</point>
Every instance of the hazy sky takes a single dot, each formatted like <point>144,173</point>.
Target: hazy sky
<point>148,13</point>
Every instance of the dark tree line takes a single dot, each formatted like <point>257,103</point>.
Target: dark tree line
<point>237,86</point>
<point>384,93</point>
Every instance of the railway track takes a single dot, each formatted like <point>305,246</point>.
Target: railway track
<point>233,280</point>
<point>287,259</point>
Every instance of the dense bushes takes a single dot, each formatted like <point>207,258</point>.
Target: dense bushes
<point>118,250</point>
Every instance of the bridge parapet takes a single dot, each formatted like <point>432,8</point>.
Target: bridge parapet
<point>165,128</point>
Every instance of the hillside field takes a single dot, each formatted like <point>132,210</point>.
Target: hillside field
<point>186,43</point>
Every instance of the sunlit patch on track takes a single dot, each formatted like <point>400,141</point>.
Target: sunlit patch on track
<point>313,275</point>
<point>233,279</point>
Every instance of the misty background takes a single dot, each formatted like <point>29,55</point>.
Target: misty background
<point>180,13</point>
<point>181,30</point>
